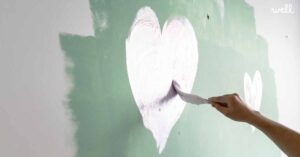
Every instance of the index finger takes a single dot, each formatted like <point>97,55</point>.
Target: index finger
<point>221,100</point>
<point>219,107</point>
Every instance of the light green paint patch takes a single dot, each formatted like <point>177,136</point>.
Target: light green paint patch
<point>108,120</point>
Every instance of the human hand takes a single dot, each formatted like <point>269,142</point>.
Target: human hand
<point>235,109</point>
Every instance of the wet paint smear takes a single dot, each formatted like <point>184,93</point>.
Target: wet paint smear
<point>108,120</point>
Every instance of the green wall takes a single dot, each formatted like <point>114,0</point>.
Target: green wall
<point>108,120</point>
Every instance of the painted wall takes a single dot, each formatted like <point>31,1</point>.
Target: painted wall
<point>61,55</point>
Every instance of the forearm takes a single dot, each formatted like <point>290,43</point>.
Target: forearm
<point>286,139</point>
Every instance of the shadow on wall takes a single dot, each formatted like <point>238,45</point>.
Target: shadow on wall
<point>108,120</point>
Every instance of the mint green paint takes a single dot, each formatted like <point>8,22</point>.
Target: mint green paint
<point>108,120</point>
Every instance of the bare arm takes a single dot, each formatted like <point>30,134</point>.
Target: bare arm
<point>286,139</point>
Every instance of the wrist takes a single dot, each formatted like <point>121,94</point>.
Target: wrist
<point>253,116</point>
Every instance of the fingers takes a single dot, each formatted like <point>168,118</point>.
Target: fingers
<point>235,108</point>
<point>225,98</point>
<point>220,108</point>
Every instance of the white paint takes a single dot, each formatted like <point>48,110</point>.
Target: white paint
<point>154,59</point>
<point>34,116</point>
<point>253,91</point>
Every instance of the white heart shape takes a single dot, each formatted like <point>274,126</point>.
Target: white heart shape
<point>154,59</point>
<point>253,91</point>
